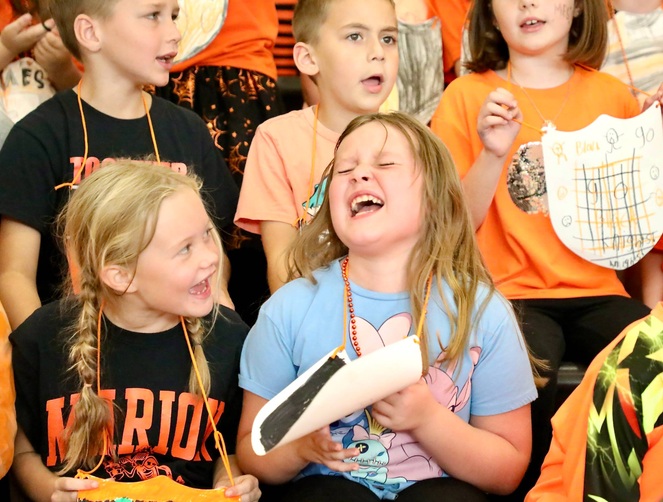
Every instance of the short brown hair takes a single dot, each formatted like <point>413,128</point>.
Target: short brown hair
<point>588,37</point>
<point>308,18</point>
<point>65,12</point>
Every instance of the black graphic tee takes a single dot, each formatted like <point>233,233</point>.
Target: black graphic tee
<point>160,428</point>
<point>47,148</point>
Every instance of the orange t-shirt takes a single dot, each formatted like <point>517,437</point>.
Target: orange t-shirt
<point>7,397</point>
<point>245,40</point>
<point>522,251</point>
<point>7,14</point>
<point>277,177</point>
<point>452,15</point>
<point>563,473</point>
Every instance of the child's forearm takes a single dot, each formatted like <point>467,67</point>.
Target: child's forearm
<point>6,56</point>
<point>19,297</point>
<point>486,453</point>
<point>275,468</point>
<point>480,185</point>
<point>652,278</point>
<point>32,475</point>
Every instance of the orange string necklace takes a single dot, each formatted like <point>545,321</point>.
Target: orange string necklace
<point>301,221</point>
<point>547,124</point>
<point>219,443</point>
<point>77,174</point>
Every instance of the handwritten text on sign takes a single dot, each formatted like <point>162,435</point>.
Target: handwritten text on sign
<point>605,187</point>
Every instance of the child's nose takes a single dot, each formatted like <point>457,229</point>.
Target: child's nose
<point>376,50</point>
<point>361,173</point>
<point>174,34</point>
<point>209,256</point>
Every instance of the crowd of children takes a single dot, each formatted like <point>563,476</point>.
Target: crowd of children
<point>176,250</point>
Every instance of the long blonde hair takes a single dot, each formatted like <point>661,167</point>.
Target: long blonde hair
<point>109,220</point>
<point>446,250</point>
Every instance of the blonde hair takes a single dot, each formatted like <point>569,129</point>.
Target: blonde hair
<point>308,18</point>
<point>446,250</point>
<point>65,12</point>
<point>109,220</point>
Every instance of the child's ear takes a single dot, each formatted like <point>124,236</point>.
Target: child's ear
<point>86,30</point>
<point>118,278</point>
<point>577,9</point>
<point>305,60</point>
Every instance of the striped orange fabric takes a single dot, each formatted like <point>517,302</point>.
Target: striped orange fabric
<point>285,40</point>
<point>7,395</point>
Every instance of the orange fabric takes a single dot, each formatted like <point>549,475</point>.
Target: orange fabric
<point>7,397</point>
<point>285,40</point>
<point>245,40</point>
<point>522,251</point>
<point>563,472</point>
<point>6,14</point>
<point>157,489</point>
<point>452,15</point>
<point>278,169</point>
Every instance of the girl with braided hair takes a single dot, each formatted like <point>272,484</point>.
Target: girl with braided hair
<point>104,378</point>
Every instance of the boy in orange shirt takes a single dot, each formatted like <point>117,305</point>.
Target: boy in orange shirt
<point>349,49</point>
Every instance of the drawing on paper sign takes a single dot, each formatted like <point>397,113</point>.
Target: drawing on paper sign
<point>605,190</point>
<point>199,22</point>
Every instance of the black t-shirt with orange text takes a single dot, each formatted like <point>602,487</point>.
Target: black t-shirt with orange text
<point>47,148</point>
<point>160,428</point>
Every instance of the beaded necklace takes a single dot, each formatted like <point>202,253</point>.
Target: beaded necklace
<point>349,308</point>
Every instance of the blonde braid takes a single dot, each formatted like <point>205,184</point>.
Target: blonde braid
<point>196,329</point>
<point>93,416</point>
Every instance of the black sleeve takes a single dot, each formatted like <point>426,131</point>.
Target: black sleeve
<point>27,178</point>
<point>25,365</point>
<point>219,188</point>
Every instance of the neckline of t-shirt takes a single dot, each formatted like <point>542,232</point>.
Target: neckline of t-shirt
<point>369,294</point>
<point>89,109</point>
<point>137,338</point>
<point>322,130</point>
<point>549,92</point>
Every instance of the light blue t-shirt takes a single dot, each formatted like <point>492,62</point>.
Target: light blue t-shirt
<point>302,322</point>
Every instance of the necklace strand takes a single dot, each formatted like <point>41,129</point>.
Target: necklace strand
<point>351,308</point>
<point>78,174</point>
<point>547,125</point>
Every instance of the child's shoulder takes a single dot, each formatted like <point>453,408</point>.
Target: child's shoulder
<point>231,324</point>
<point>284,123</point>
<point>599,78</point>
<point>44,324</point>
<point>301,293</point>
<point>51,112</point>
<point>163,108</point>
<point>475,84</point>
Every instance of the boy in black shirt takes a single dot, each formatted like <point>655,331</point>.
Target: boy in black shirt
<point>124,45</point>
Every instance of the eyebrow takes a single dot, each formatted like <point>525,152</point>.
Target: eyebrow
<point>361,26</point>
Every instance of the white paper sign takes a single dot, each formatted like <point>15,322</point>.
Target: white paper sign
<point>605,187</point>
<point>316,398</point>
<point>199,22</point>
